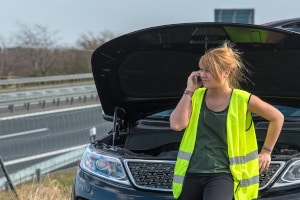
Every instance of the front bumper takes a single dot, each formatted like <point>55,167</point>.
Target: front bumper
<point>89,187</point>
<point>283,194</point>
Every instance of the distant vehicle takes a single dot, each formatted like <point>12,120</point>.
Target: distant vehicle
<point>286,24</point>
<point>140,77</point>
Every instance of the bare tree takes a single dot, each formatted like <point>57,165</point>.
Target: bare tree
<point>8,58</point>
<point>89,41</point>
<point>73,61</point>
<point>39,46</point>
<point>36,52</point>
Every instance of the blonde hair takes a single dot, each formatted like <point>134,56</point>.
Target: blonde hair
<point>223,58</point>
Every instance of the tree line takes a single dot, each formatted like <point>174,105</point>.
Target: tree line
<point>35,51</point>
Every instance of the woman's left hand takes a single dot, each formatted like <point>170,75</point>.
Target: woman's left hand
<point>264,159</point>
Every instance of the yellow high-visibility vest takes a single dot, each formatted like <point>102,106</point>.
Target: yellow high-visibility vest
<point>241,141</point>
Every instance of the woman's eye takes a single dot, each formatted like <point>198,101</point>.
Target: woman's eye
<point>204,71</point>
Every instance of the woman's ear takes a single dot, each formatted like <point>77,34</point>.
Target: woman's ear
<point>226,73</point>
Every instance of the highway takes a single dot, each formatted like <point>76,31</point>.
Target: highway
<point>45,123</point>
<point>25,139</point>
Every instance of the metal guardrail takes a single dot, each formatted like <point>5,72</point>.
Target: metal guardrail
<point>11,101</point>
<point>17,81</point>
<point>10,97</point>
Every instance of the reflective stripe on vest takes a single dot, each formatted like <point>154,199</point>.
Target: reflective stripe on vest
<point>242,146</point>
<point>184,155</point>
<point>243,159</point>
<point>250,181</point>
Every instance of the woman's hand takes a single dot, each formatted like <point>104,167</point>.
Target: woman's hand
<point>264,159</point>
<point>192,84</point>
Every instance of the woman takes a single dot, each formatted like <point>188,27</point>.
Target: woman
<point>218,156</point>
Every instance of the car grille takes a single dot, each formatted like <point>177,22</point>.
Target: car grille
<point>158,175</point>
<point>151,174</point>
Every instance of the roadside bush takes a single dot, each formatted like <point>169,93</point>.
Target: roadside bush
<point>52,187</point>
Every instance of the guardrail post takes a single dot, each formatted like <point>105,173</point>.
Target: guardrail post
<point>38,175</point>
<point>27,105</point>
<point>11,107</point>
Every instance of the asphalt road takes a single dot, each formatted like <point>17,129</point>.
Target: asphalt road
<point>35,134</point>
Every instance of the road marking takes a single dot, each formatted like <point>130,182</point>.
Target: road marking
<point>52,153</point>
<point>24,133</point>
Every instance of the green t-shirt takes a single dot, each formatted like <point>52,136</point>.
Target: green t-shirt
<point>210,153</point>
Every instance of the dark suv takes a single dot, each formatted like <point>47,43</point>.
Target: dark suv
<point>292,24</point>
<point>140,78</point>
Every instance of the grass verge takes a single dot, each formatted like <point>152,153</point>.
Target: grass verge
<point>54,186</point>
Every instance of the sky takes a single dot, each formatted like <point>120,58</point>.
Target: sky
<point>72,18</point>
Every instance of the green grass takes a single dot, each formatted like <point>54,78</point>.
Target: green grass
<point>54,186</point>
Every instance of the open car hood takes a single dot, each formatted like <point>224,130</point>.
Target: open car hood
<point>146,71</point>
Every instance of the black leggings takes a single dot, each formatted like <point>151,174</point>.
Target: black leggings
<point>207,187</point>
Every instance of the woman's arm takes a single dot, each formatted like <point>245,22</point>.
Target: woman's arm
<point>180,117</point>
<point>275,118</point>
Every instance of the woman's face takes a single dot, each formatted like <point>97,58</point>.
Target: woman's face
<point>210,81</point>
<point>207,78</point>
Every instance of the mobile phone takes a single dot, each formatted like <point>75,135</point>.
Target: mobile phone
<point>197,79</point>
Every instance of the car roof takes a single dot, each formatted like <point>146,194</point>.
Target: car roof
<point>145,71</point>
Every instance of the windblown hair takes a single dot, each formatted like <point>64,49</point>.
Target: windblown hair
<point>224,58</point>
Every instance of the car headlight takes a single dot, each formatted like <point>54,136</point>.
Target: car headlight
<point>290,176</point>
<point>104,166</point>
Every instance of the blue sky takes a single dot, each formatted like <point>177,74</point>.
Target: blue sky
<point>71,18</point>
